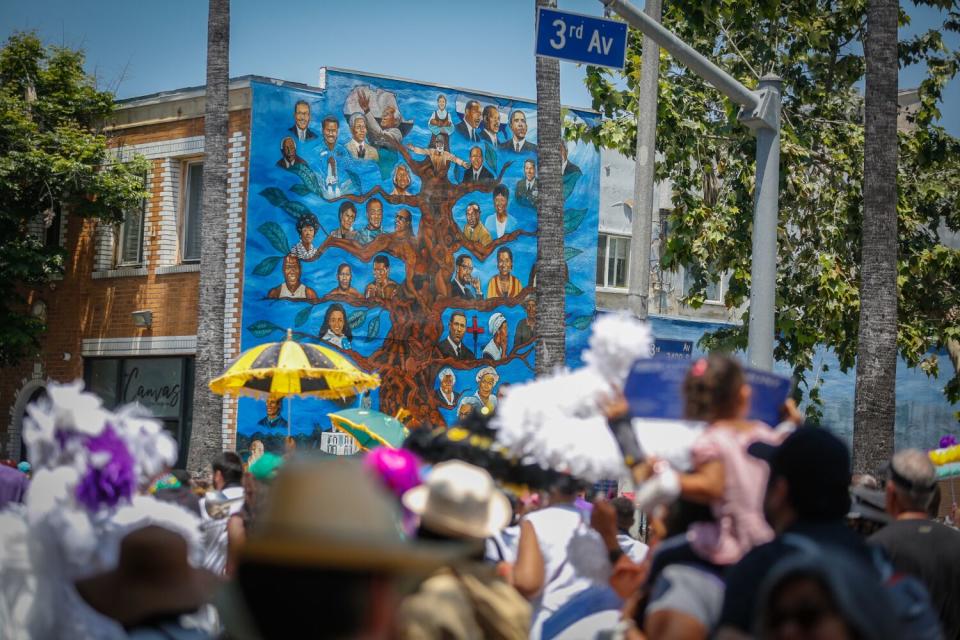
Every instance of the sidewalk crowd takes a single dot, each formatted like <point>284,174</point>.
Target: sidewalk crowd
<point>764,534</point>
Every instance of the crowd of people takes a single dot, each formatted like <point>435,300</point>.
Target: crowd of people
<point>764,533</point>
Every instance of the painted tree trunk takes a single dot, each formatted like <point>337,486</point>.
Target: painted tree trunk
<point>206,438</point>
<point>551,267</point>
<point>875,401</point>
<point>409,359</point>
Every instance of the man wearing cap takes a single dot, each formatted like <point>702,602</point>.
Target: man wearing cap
<point>445,393</point>
<point>460,505</point>
<point>807,499</point>
<point>916,544</point>
<point>496,349</point>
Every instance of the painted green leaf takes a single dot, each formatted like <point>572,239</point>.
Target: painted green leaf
<point>276,236</point>
<point>572,219</point>
<point>308,177</point>
<point>266,266</point>
<point>300,190</point>
<point>294,208</point>
<point>263,328</point>
<point>581,322</point>
<point>571,252</point>
<point>571,289</point>
<point>274,196</point>
<point>374,327</point>
<point>356,318</point>
<point>490,157</point>
<point>302,316</point>
<point>570,183</point>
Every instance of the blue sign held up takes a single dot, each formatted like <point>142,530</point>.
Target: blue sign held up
<point>654,389</point>
<point>579,38</point>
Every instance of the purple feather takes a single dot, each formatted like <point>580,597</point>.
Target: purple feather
<point>112,482</point>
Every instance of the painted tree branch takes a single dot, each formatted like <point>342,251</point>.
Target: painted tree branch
<point>482,252</point>
<point>488,304</point>
<point>454,363</point>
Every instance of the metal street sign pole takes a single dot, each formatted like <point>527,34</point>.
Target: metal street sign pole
<point>639,293</point>
<point>760,111</point>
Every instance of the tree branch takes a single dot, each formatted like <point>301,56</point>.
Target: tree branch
<point>352,300</point>
<point>462,365</point>
<point>488,304</point>
<point>384,243</point>
<point>483,252</point>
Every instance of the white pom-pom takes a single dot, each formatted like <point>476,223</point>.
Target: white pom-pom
<point>50,490</point>
<point>617,341</point>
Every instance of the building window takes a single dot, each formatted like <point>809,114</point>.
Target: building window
<point>714,292</point>
<point>613,258</point>
<point>163,385</point>
<point>192,219</point>
<point>129,250</point>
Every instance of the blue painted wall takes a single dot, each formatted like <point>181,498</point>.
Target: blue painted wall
<point>318,181</point>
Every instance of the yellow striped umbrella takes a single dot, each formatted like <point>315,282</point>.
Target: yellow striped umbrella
<point>292,368</point>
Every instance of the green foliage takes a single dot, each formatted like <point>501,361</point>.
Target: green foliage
<point>816,47</point>
<point>373,329</point>
<point>572,219</point>
<point>275,236</point>
<point>263,328</point>
<point>356,318</point>
<point>302,316</point>
<point>53,158</point>
<point>267,265</point>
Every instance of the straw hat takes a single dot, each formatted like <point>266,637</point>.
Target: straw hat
<point>334,514</point>
<point>460,499</point>
<point>153,578</point>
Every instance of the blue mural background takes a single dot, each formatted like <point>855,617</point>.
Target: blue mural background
<point>279,196</point>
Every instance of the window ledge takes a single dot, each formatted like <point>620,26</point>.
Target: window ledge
<point>601,289</point>
<point>122,272</point>
<point>190,267</point>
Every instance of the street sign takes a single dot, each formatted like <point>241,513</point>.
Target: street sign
<point>579,38</point>
<point>672,349</point>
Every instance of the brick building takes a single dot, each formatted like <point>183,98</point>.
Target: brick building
<point>124,315</point>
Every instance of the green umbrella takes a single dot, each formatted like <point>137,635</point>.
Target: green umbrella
<point>371,429</point>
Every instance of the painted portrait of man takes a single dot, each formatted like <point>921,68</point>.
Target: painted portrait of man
<point>292,288</point>
<point>301,122</point>
<point>288,154</point>
<point>382,286</point>
<point>518,142</point>
<point>473,230</point>
<point>452,346</point>
<point>469,127</point>
<point>476,172</point>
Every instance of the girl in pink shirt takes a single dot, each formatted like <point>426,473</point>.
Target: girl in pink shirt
<point>686,576</point>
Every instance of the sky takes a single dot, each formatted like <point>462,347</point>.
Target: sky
<point>137,48</point>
